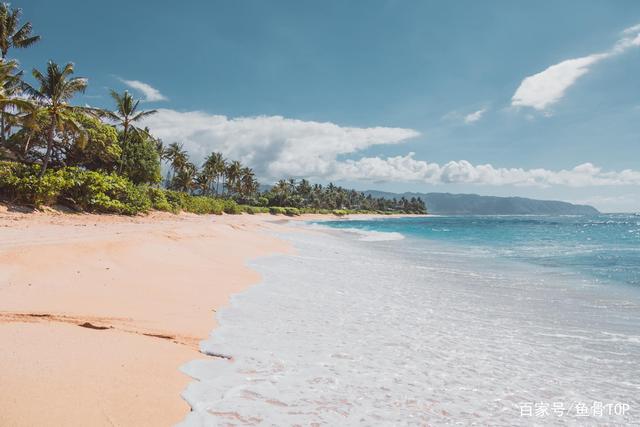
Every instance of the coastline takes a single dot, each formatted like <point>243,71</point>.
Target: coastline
<point>98,312</point>
<point>377,332</point>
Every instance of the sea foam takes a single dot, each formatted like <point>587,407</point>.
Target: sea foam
<point>413,333</point>
<point>363,235</point>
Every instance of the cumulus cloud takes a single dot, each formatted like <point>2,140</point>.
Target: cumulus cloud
<point>274,146</point>
<point>278,147</point>
<point>541,90</point>
<point>151,94</point>
<point>475,116</point>
<point>407,168</point>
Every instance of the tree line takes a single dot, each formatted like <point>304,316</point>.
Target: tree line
<point>41,127</point>
<point>303,194</point>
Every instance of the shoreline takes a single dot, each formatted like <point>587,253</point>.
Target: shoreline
<point>414,335</point>
<point>98,312</point>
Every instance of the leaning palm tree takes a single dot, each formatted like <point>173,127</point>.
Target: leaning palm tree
<point>55,91</point>
<point>11,33</point>
<point>127,114</point>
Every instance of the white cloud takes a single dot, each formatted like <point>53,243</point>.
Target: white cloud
<point>406,168</point>
<point>151,94</point>
<point>549,86</point>
<point>475,116</point>
<point>541,90</point>
<point>632,30</point>
<point>277,147</point>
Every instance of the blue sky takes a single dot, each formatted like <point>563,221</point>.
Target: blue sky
<point>345,91</point>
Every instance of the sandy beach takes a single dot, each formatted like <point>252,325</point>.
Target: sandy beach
<point>98,313</point>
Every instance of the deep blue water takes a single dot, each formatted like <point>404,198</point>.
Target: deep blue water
<point>605,247</point>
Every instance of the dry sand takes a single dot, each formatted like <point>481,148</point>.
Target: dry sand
<point>151,284</point>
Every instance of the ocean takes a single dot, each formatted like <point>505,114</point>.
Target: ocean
<point>605,247</point>
<point>488,320</point>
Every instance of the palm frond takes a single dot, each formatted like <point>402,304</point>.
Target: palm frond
<point>73,86</point>
<point>143,114</point>
<point>33,92</point>
<point>116,97</point>
<point>23,38</point>
<point>26,42</point>
<point>67,70</point>
<point>92,111</point>
<point>39,76</point>
<point>20,104</point>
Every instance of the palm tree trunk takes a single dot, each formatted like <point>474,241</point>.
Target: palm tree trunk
<point>2,132</point>
<point>124,142</point>
<point>47,155</point>
<point>26,144</point>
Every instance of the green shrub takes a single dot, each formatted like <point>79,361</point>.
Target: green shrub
<point>19,184</point>
<point>248,209</point>
<point>231,207</point>
<point>140,161</point>
<point>159,200</point>
<point>91,191</point>
<point>175,199</point>
<point>94,191</point>
<point>41,191</point>
<point>275,210</point>
<point>202,205</point>
<point>340,212</point>
<point>254,209</point>
<point>291,211</point>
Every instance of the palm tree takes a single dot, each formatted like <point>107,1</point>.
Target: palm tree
<point>208,174</point>
<point>216,165</point>
<point>55,92</point>
<point>10,86</point>
<point>233,175</point>
<point>202,182</point>
<point>184,178</point>
<point>248,184</point>
<point>176,156</point>
<point>11,33</point>
<point>161,149</point>
<point>127,114</point>
<point>282,192</point>
<point>304,189</point>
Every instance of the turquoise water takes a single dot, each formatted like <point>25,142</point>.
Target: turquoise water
<point>603,247</point>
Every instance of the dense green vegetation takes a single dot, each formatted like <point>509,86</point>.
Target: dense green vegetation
<point>303,195</point>
<point>90,159</point>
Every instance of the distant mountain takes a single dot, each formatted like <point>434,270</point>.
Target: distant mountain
<point>473,204</point>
